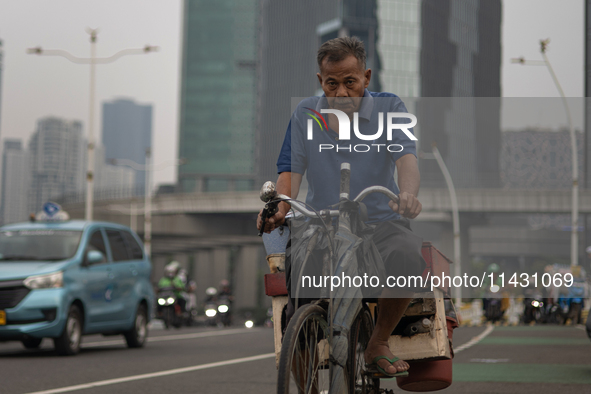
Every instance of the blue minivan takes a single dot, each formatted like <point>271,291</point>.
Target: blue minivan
<point>62,279</point>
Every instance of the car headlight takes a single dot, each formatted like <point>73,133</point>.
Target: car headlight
<point>210,312</point>
<point>170,300</point>
<point>223,308</point>
<point>48,281</point>
<point>161,301</point>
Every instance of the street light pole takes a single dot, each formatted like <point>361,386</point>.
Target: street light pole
<point>93,61</point>
<point>88,213</point>
<point>455,216</point>
<point>148,205</point>
<point>574,244</point>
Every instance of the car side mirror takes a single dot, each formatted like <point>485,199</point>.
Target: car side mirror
<point>94,257</point>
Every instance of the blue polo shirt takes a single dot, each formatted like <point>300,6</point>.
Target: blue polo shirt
<point>372,161</point>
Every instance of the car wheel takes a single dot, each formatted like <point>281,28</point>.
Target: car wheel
<point>32,343</point>
<point>68,343</point>
<point>136,337</point>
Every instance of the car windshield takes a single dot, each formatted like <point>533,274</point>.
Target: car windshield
<point>38,245</point>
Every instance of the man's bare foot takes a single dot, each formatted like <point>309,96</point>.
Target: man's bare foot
<point>376,349</point>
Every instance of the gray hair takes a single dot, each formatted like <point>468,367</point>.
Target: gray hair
<point>340,48</point>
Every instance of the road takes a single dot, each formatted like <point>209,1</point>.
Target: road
<point>538,359</point>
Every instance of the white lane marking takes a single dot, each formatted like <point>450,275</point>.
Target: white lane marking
<point>174,337</point>
<point>101,383</point>
<point>474,340</point>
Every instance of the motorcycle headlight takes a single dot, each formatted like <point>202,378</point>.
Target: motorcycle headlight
<point>210,312</point>
<point>535,304</point>
<point>49,281</point>
<point>170,300</point>
<point>248,324</point>
<point>223,308</point>
<point>161,301</point>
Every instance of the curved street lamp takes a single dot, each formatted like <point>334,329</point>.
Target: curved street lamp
<point>574,255</point>
<point>93,61</point>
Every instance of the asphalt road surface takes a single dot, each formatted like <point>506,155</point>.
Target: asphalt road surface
<point>539,359</point>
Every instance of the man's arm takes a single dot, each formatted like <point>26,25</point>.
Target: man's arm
<point>288,184</point>
<point>409,180</point>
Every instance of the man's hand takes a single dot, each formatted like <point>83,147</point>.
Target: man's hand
<point>409,206</point>
<point>273,222</point>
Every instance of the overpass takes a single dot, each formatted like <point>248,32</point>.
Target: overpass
<point>214,234</point>
<point>433,200</point>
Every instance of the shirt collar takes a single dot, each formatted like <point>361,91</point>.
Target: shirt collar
<point>364,111</point>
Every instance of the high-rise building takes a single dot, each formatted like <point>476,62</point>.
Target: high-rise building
<point>399,46</point>
<point>1,69</point>
<point>288,44</point>
<point>461,58</point>
<point>127,132</point>
<point>289,66</point>
<point>218,94</point>
<point>407,41</point>
<point>113,181</point>
<point>538,159</point>
<point>55,160</point>
<point>416,48</point>
<point>15,182</point>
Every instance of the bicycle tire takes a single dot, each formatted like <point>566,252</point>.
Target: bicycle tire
<point>361,331</point>
<point>307,332</point>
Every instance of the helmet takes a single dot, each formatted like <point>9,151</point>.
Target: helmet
<point>171,269</point>
<point>224,283</point>
<point>211,291</point>
<point>493,267</point>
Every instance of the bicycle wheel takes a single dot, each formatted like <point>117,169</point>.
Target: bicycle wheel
<point>304,365</point>
<point>359,382</point>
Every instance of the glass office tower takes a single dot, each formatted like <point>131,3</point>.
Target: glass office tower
<point>218,95</point>
<point>461,58</point>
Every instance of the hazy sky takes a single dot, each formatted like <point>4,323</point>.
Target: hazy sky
<point>35,86</point>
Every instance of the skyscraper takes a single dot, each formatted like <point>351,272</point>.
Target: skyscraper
<point>56,160</point>
<point>289,67</point>
<point>15,182</point>
<point>113,181</point>
<point>461,58</point>
<point>218,94</point>
<point>1,69</point>
<point>399,46</point>
<point>127,132</point>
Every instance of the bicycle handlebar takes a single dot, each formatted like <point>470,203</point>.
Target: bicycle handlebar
<point>270,196</point>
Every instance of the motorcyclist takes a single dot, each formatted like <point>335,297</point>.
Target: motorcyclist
<point>171,279</point>
<point>225,297</point>
<point>211,294</point>
<point>492,306</point>
<point>225,289</point>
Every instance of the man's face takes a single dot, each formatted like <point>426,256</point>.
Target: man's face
<point>344,83</point>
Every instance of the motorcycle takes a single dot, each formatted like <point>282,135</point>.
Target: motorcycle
<point>168,309</point>
<point>533,310</point>
<point>211,312</point>
<point>224,312</point>
<point>492,309</point>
